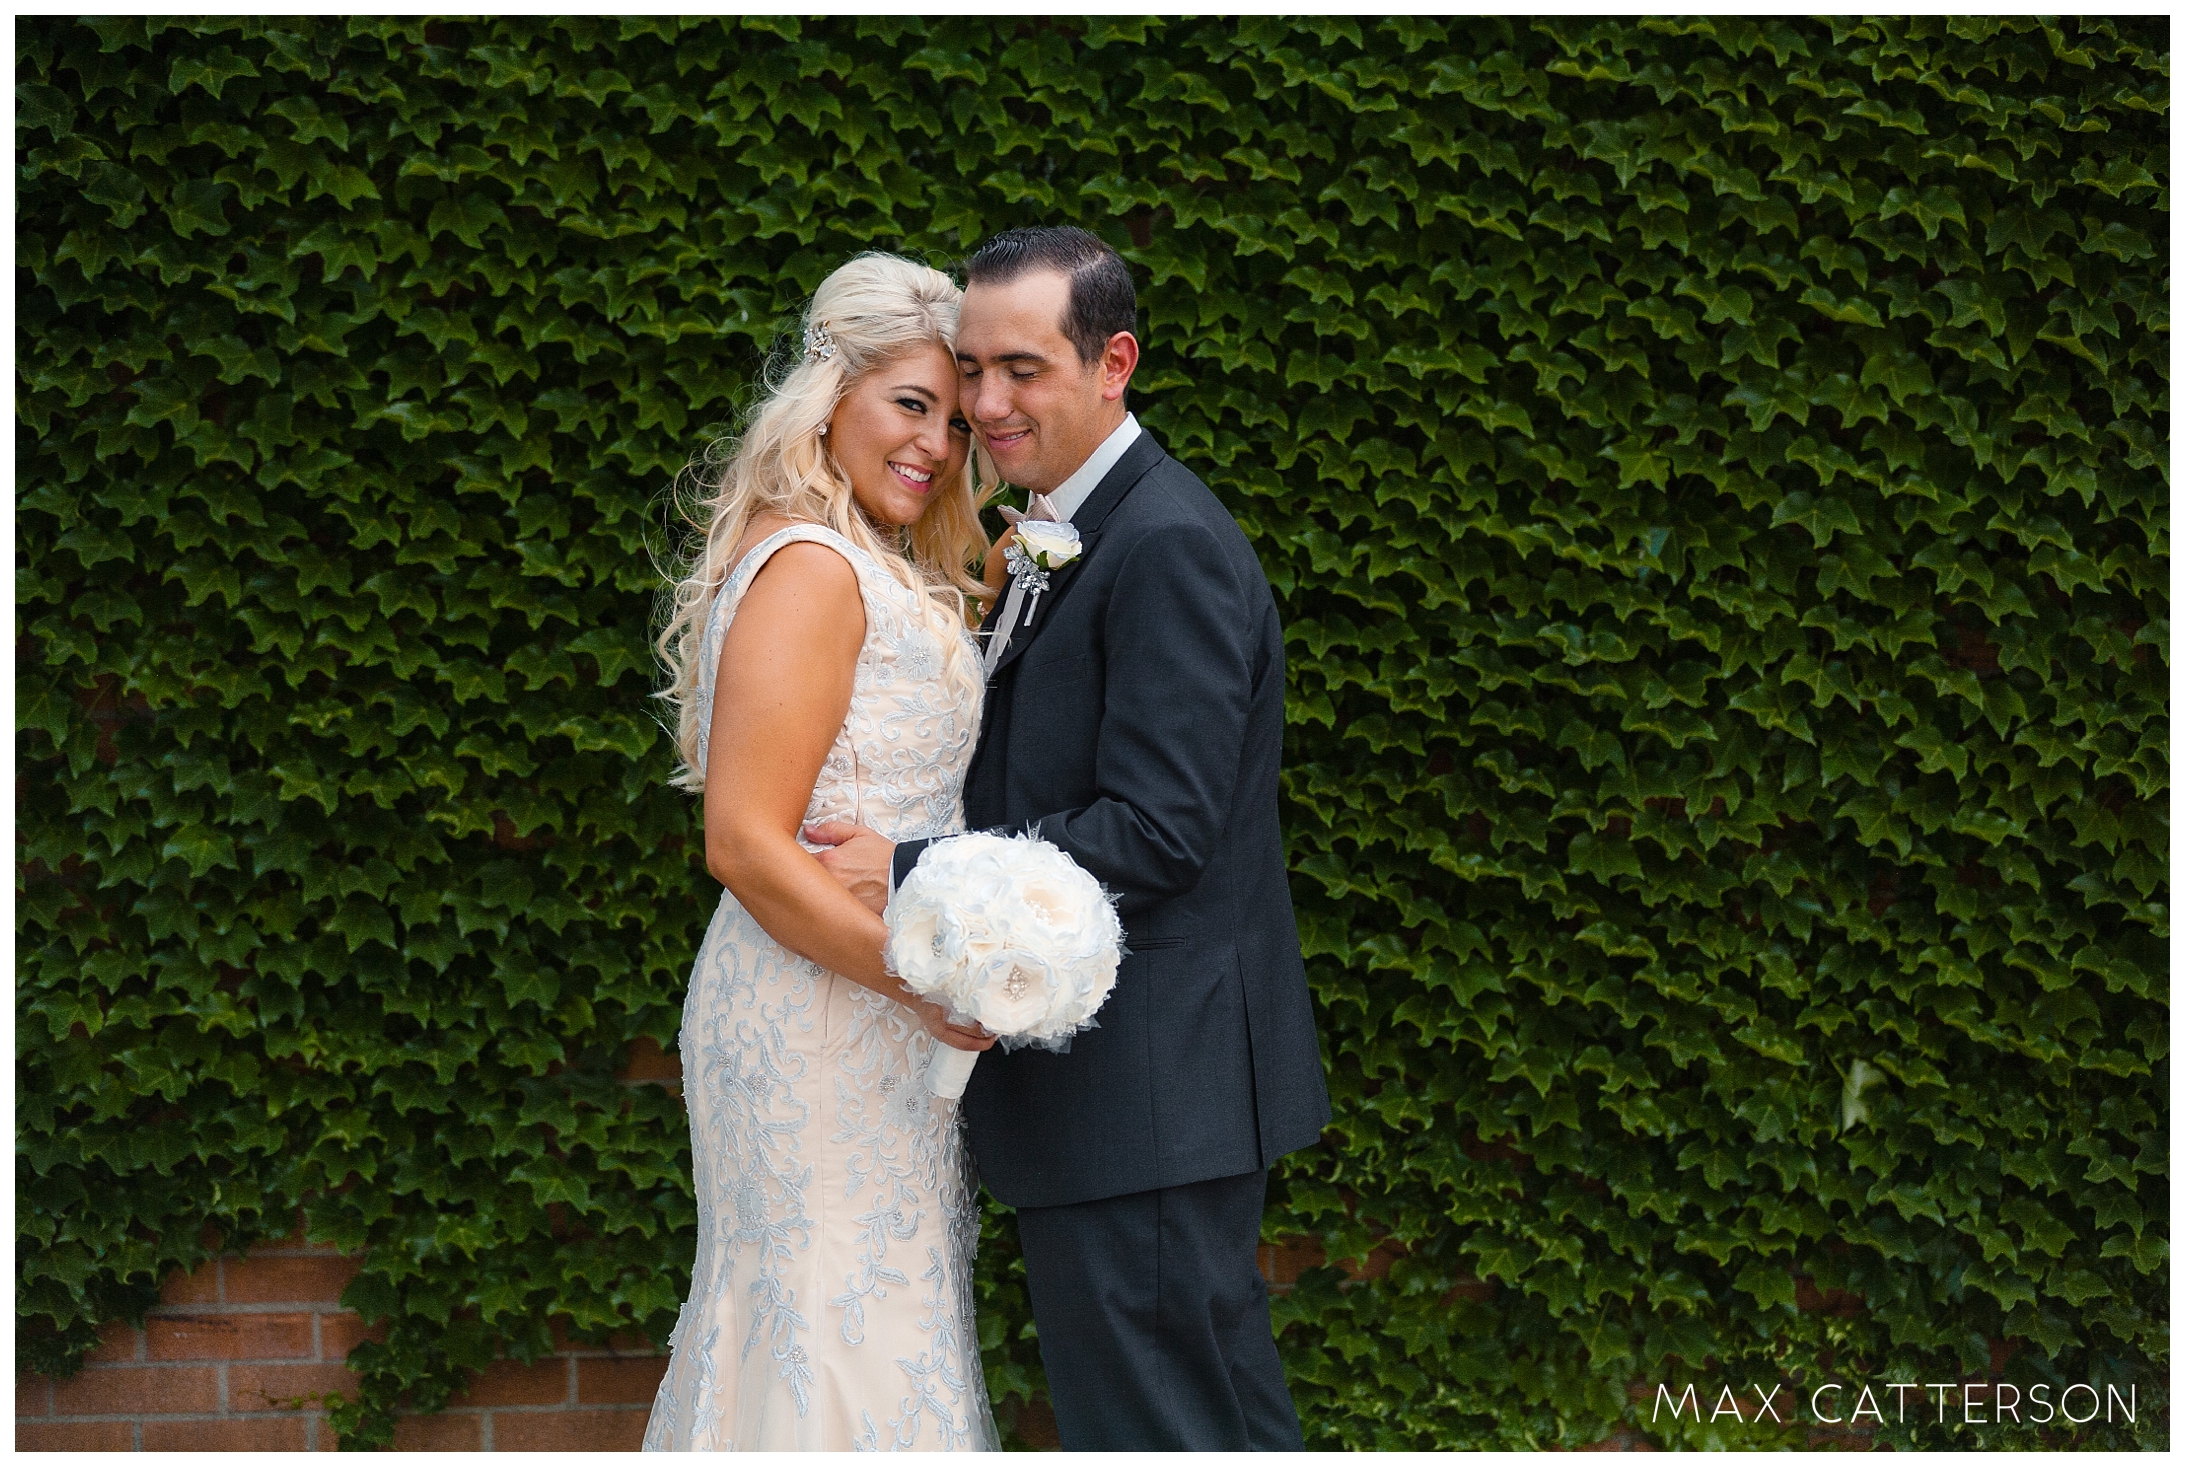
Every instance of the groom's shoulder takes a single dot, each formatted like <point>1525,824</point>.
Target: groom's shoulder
<point>1171,495</point>
<point>1168,503</point>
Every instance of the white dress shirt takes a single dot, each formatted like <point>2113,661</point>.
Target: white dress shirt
<point>1067,498</point>
<point>1076,489</point>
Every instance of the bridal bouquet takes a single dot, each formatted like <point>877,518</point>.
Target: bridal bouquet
<point>1004,931</point>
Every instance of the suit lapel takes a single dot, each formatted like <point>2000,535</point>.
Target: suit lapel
<point>1118,482</point>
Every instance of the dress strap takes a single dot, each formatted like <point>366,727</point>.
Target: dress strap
<point>746,570</point>
<point>754,560</point>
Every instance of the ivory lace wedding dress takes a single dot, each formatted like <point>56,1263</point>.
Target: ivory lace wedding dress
<point>830,1304</point>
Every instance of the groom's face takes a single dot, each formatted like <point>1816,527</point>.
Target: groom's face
<point>1037,408</point>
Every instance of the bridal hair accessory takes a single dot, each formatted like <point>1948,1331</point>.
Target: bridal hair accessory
<point>1005,931</point>
<point>819,342</point>
<point>1044,543</point>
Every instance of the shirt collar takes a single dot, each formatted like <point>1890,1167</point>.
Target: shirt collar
<point>1072,493</point>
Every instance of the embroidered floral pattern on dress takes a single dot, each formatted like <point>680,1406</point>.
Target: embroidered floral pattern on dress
<point>831,1298</point>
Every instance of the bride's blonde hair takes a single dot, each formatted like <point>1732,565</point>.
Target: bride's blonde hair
<point>871,310</point>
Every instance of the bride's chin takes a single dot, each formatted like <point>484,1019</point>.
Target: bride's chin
<point>896,519</point>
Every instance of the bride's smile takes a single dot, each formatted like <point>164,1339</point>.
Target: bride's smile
<point>897,434</point>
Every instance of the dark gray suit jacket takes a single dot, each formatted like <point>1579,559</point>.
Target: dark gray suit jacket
<point>1137,724</point>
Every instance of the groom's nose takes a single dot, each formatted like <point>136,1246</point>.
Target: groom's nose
<point>989,398</point>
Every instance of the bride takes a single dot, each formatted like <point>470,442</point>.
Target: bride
<point>822,670</point>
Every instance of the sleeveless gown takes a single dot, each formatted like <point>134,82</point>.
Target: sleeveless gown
<point>830,1305</point>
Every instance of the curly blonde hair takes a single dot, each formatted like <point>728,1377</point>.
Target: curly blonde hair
<point>873,309</point>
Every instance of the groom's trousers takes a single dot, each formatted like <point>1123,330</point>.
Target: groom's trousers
<point>1153,1321</point>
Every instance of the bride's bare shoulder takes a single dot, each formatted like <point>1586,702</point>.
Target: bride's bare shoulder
<point>799,572</point>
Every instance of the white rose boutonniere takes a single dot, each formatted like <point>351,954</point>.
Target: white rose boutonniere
<point>1041,548</point>
<point>1048,544</point>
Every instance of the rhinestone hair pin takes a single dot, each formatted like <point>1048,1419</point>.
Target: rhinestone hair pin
<point>819,342</point>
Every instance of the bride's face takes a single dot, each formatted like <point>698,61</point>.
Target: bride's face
<point>898,435</point>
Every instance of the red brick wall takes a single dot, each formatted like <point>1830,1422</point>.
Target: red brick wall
<point>240,1356</point>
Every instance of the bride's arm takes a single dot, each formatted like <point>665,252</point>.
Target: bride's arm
<point>782,693</point>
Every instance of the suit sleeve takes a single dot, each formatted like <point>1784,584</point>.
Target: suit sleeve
<point>906,856</point>
<point>1179,634</point>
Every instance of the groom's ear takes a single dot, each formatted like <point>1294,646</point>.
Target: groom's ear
<point>1118,359</point>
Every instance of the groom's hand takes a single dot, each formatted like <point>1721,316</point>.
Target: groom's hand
<point>857,857</point>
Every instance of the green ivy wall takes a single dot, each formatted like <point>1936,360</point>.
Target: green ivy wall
<point>1716,478</point>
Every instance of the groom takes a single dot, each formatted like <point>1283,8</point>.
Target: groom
<point>1134,719</point>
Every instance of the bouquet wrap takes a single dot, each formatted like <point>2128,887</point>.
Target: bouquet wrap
<point>1008,932</point>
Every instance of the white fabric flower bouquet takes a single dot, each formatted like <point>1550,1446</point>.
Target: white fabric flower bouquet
<point>1008,932</point>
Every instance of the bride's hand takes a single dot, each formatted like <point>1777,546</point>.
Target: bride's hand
<point>955,1036</point>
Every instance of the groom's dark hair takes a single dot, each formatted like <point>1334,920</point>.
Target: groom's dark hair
<point>1102,299</point>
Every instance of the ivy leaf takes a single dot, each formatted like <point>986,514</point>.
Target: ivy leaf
<point>1768,1286</point>
<point>118,188</point>
<point>343,181</point>
<point>1602,858</point>
<point>38,106</point>
<point>467,215</point>
<point>197,207</point>
<point>1823,516</point>
<point>338,251</point>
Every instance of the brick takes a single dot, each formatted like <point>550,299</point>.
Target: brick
<point>254,1434</point>
<point>117,1342</point>
<point>1623,1439</point>
<point>513,1383</point>
<point>343,1332</point>
<point>1284,1263</point>
<point>1374,1265</point>
<point>568,1431</point>
<point>1036,1425</point>
<point>229,1337</point>
<point>626,1381</point>
<point>74,1436</point>
<point>1482,1289</point>
<point>276,1387</point>
<point>310,1278</point>
<point>33,1395</point>
<point>1841,1439</point>
<point>136,1390</point>
<point>646,1060</point>
<point>449,1431</point>
<point>201,1287</point>
<point>1838,1302</point>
